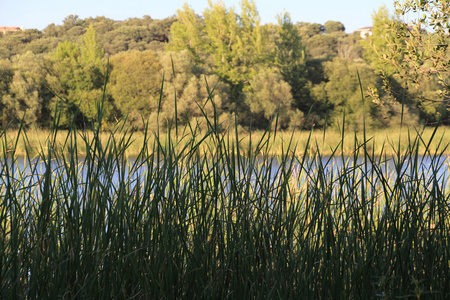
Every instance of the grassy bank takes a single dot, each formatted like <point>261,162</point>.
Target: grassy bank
<point>324,143</point>
<point>87,223</point>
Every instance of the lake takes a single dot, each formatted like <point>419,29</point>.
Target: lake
<point>306,171</point>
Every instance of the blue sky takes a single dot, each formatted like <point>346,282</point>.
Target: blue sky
<point>39,13</point>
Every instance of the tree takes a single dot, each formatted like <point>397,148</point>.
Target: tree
<point>291,59</point>
<point>13,43</point>
<point>135,83</point>
<point>64,74</point>
<point>333,26</point>
<point>221,29</point>
<point>376,45</point>
<point>50,30</point>
<point>402,66</point>
<point>6,77</point>
<point>322,46</point>
<point>101,25</point>
<point>310,29</point>
<point>161,29</point>
<point>77,77</point>
<point>267,95</point>
<point>185,91</point>
<point>93,68</point>
<point>349,47</point>
<point>236,43</point>
<point>231,46</point>
<point>42,45</point>
<point>71,21</point>
<point>425,53</point>
<point>250,49</point>
<point>26,95</point>
<point>342,91</point>
<point>187,33</point>
<point>91,53</point>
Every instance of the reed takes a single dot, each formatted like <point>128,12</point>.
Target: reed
<point>209,215</point>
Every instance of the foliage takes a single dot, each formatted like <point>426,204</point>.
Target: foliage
<point>134,83</point>
<point>291,60</point>
<point>342,90</point>
<point>77,76</point>
<point>229,47</point>
<point>310,29</point>
<point>269,96</point>
<point>333,26</point>
<point>349,47</point>
<point>25,98</point>
<point>234,44</point>
<point>425,53</point>
<point>187,33</point>
<point>185,94</point>
<point>251,47</point>
<point>384,54</point>
<point>376,45</point>
<point>6,77</point>
<point>222,30</point>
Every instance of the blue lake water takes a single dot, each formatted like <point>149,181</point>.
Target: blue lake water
<point>131,172</point>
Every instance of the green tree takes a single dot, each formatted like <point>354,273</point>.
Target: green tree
<point>308,30</point>
<point>135,83</point>
<point>77,77</point>
<point>221,29</point>
<point>101,25</point>
<point>91,53</point>
<point>333,26</point>
<point>250,49</point>
<point>267,95</point>
<point>386,51</point>
<point>349,47</point>
<point>93,68</point>
<point>291,59</point>
<point>71,21</point>
<point>376,45</point>
<point>50,30</point>
<point>64,74</point>
<point>235,43</point>
<point>13,43</point>
<point>187,33</point>
<point>424,53</point>
<point>27,92</point>
<point>233,47</point>
<point>6,77</point>
<point>186,92</point>
<point>322,46</point>
<point>42,45</point>
<point>342,90</point>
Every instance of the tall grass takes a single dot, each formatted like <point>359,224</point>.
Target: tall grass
<point>203,216</point>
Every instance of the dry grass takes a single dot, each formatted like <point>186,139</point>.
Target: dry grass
<point>331,142</point>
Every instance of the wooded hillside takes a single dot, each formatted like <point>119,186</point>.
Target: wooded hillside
<point>254,70</point>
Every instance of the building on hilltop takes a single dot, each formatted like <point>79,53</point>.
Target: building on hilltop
<point>4,29</point>
<point>365,32</point>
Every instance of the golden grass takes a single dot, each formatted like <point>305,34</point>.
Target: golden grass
<point>378,141</point>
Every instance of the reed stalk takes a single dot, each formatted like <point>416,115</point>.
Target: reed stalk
<point>203,215</point>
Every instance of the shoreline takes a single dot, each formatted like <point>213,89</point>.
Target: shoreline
<point>380,142</point>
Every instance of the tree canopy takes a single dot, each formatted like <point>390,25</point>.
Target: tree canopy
<point>301,69</point>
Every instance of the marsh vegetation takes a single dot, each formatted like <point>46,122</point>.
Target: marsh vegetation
<point>210,217</point>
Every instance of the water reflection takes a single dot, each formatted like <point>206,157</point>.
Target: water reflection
<point>116,175</point>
